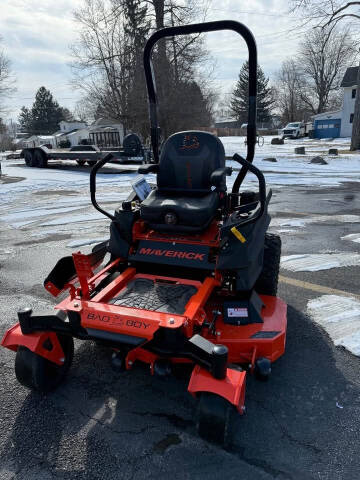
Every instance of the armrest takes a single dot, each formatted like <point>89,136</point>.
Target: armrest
<point>218,174</point>
<point>149,168</point>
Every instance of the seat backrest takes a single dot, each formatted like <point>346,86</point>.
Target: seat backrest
<point>187,161</point>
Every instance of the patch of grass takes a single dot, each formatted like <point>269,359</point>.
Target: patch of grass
<point>346,152</point>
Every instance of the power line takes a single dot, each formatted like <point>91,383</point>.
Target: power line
<point>253,13</point>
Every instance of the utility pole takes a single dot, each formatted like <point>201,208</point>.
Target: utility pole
<point>355,137</point>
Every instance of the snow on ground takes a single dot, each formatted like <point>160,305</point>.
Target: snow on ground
<point>60,198</point>
<point>292,169</point>
<point>7,252</point>
<point>313,262</point>
<point>302,222</point>
<point>19,210</point>
<point>340,317</point>
<point>353,237</point>
<point>86,241</point>
<point>53,179</point>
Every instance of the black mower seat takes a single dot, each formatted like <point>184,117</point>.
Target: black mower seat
<point>190,178</point>
<point>191,211</point>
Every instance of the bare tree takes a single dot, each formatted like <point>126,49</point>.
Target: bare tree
<point>324,56</point>
<point>99,55</point>
<point>327,13</point>
<point>108,60</point>
<point>288,92</point>
<point>6,79</point>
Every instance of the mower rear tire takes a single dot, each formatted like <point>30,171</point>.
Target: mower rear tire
<point>214,418</point>
<point>37,373</point>
<point>267,282</point>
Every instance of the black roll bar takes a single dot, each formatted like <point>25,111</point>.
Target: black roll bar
<point>93,173</point>
<point>202,28</point>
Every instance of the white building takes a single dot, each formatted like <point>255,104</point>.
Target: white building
<point>75,137</point>
<point>68,126</point>
<point>37,140</point>
<point>339,123</point>
<point>349,85</point>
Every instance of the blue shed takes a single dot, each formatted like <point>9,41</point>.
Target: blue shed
<point>327,128</point>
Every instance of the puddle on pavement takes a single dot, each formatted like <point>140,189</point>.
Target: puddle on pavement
<point>167,442</point>
<point>349,197</point>
<point>52,238</point>
<point>5,179</point>
<point>56,192</point>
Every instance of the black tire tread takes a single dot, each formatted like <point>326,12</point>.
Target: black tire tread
<point>40,159</point>
<point>28,158</point>
<point>37,373</point>
<point>267,282</point>
<point>214,418</point>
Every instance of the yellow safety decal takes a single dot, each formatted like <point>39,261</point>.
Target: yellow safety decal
<point>238,235</point>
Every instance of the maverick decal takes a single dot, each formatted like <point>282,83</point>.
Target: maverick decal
<point>173,254</point>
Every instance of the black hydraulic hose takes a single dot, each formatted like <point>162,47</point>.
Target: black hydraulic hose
<point>201,28</point>
<point>93,173</point>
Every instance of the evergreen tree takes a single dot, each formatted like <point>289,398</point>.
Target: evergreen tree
<point>240,96</point>
<point>45,114</point>
<point>136,29</point>
<point>25,120</point>
<point>2,126</point>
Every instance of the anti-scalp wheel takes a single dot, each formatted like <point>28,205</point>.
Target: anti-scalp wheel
<point>214,418</point>
<point>38,373</point>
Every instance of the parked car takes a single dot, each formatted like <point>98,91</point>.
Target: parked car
<point>293,130</point>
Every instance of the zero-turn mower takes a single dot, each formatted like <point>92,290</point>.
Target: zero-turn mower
<point>192,275</point>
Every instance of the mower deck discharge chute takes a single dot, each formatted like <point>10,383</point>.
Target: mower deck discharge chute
<point>192,275</point>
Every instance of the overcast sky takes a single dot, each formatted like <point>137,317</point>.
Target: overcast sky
<point>37,34</point>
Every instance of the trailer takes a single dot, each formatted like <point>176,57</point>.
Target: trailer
<point>132,151</point>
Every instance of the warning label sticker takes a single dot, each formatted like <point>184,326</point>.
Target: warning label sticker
<point>237,312</point>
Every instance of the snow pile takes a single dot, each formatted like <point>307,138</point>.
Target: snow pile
<point>86,241</point>
<point>303,221</point>
<point>353,237</point>
<point>313,262</point>
<point>340,317</point>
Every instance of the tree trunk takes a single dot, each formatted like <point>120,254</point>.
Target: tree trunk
<point>355,138</point>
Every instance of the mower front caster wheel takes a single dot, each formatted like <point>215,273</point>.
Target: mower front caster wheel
<point>214,418</point>
<point>118,361</point>
<point>262,369</point>
<point>38,373</point>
